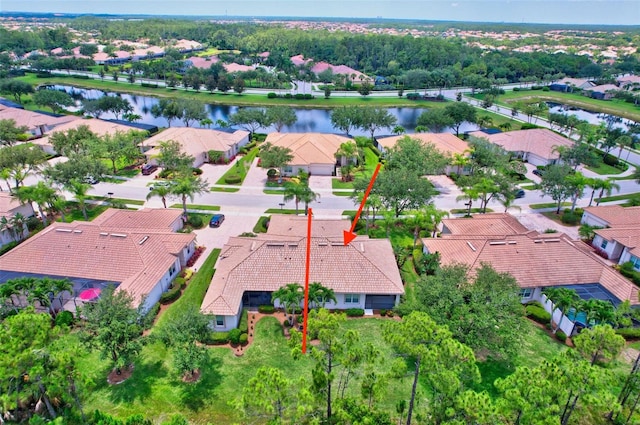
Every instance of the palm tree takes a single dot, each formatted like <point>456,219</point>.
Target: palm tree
<point>5,224</point>
<point>578,182</point>
<point>605,186</point>
<point>418,221</point>
<point>41,193</point>
<point>18,222</point>
<point>308,196</point>
<point>289,296</point>
<point>435,217</point>
<point>188,187</point>
<point>347,153</point>
<point>460,160</point>
<point>562,299</point>
<point>161,192</point>
<point>623,142</point>
<point>320,295</point>
<point>79,191</point>
<point>298,190</point>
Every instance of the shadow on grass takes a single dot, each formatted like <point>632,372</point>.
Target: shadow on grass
<point>490,370</point>
<point>140,385</point>
<point>196,395</point>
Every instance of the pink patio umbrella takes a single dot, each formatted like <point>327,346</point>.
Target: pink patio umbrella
<point>90,294</point>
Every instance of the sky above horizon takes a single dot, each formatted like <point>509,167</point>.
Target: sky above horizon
<point>608,12</point>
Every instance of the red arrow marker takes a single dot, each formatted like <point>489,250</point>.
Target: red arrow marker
<point>349,236</point>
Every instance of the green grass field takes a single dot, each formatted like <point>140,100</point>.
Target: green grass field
<point>197,207</point>
<point>240,169</point>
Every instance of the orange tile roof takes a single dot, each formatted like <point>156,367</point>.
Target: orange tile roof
<point>446,143</point>
<point>137,259</point>
<point>146,218</point>
<point>33,120</point>
<point>498,224</point>
<point>616,215</point>
<point>97,126</point>
<point>538,141</point>
<point>7,204</point>
<point>195,141</point>
<point>309,148</point>
<point>287,225</point>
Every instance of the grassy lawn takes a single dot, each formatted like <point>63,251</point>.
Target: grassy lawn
<point>75,213</point>
<point>240,169</point>
<point>604,169</point>
<point>225,189</point>
<point>284,211</point>
<point>399,234</point>
<point>339,184</point>
<point>273,191</point>
<point>465,210</point>
<point>116,200</point>
<point>197,207</point>
<point>620,197</point>
<point>261,225</point>
<point>548,205</point>
<point>551,215</point>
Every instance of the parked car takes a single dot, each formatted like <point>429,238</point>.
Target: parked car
<point>91,179</point>
<point>147,169</point>
<point>216,220</point>
<point>519,193</point>
<point>537,172</point>
<point>159,184</point>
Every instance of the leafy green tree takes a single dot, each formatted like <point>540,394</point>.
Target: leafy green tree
<point>11,133</point>
<point>77,168</point>
<point>75,141</point>
<point>275,156</point>
<point>188,187</point>
<point>121,147</point>
<point>191,111</point>
<point>54,99</point>
<point>280,116</point>
<point>599,343</point>
<point>373,119</point>
<point>349,152</point>
<point>460,112</point>
<point>112,326</point>
<point>182,333</point>
<point>238,85</point>
<point>445,364</point>
<point>269,394</point>
<point>172,158</point>
<point>15,88</point>
<point>412,154</point>
<point>41,193</point>
<point>554,184</point>
<point>168,109</point>
<point>346,118</point>
<point>435,119</point>
<point>289,296</point>
<point>251,119</point>
<point>365,89</point>
<point>21,160</point>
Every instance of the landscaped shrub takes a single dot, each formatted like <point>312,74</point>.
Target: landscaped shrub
<point>8,247</point>
<point>561,336</point>
<point>146,321</point>
<point>271,95</point>
<point>528,126</point>
<point>34,223</point>
<point>354,312</point>
<point>375,151</point>
<point>570,218</point>
<point>179,281</point>
<point>150,85</point>
<point>413,96</point>
<point>546,88</point>
<point>383,312</point>
<point>538,314</point>
<point>628,271</point>
<point>244,339</point>
<point>196,254</point>
<point>216,338</point>
<point>601,252</point>
<point>629,333</point>
<point>390,313</point>
<point>234,336</point>
<point>244,321</point>
<point>196,171</point>
<point>233,179</point>
<point>266,309</point>
<point>272,173</point>
<point>171,295</point>
<point>195,221</point>
<point>517,89</point>
<point>610,160</point>
<point>64,318</point>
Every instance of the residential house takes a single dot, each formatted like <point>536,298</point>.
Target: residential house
<point>37,123</point>
<point>536,146</point>
<point>354,76</point>
<point>446,143</point>
<point>535,260</point>
<point>9,207</point>
<point>363,274</point>
<point>137,251</point>
<point>187,46</point>
<point>619,237</point>
<point>312,152</point>
<point>602,92</point>
<point>197,142</point>
<point>97,126</point>
<point>570,84</point>
<point>629,82</point>
<point>118,57</point>
<point>611,216</point>
<point>201,63</point>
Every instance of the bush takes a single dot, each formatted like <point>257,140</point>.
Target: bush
<point>546,88</point>
<point>390,313</point>
<point>517,89</point>
<point>376,151</point>
<point>536,87</point>
<point>528,126</point>
<point>383,312</point>
<point>234,336</point>
<point>195,221</point>
<point>561,336</point>
<point>354,312</point>
<point>570,218</point>
<point>271,95</point>
<point>538,314</point>
<point>216,338</point>
<point>34,223</point>
<point>272,173</point>
<point>610,160</point>
<point>233,179</point>
<point>629,333</point>
<point>179,281</point>
<point>196,254</point>
<point>64,318</point>
<point>196,171</point>
<point>413,96</point>
<point>150,85</point>
<point>244,321</point>
<point>266,309</point>
<point>146,321</point>
<point>244,339</point>
<point>8,247</point>
<point>171,295</point>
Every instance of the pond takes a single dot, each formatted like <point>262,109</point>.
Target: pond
<point>589,116</point>
<point>309,120</point>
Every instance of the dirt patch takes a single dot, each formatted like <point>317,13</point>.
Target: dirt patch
<point>629,355</point>
<point>114,378</point>
<point>192,377</point>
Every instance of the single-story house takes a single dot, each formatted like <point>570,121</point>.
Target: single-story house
<point>611,216</point>
<point>619,237</point>
<point>536,261</point>
<point>97,126</point>
<point>355,76</point>
<point>201,63</point>
<point>536,146</point>
<point>186,46</point>
<point>37,124</point>
<point>484,225</point>
<point>603,92</point>
<point>569,84</point>
<point>629,82</point>
<point>138,251</point>
<point>363,274</point>
<point>197,142</point>
<point>312,152</point>
<point>446,143</point>
<point>150,52</point>
<point>118,57</point>
<point>9,207</point>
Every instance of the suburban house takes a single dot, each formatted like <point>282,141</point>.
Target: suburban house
<point>603,92</point>
<point>118,57</point>
<point>37,123</point>
<point>535,260</point>
<point>9,207</point>
<point>570,84</point>
<point>619,236</point>
<point>197,142</point>
<point>312,152</point>
<point>446,143</point>
<point>97,126</point>
<point>629,82</point>
<point>138,251</point>
<point>363,274</point>
<point>536,146</point>
<point>319,67</point>
<point>201,62</point>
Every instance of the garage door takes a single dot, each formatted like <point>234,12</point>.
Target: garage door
<point>378,302</point>
<point>321,170</point>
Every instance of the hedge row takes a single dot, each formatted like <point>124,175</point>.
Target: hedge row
<point>266,309</point>
<point>354,312</point>
<point>538,314</point>
<point>174,292</point>
<point>233,179</point>
<point>629,333</point>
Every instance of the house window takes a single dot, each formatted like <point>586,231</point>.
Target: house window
<point>288,169</point>
<point>604,243</point>
<point>526,293</point>
<point>636,262</point>
<point>172,270</point>
<point>219,321</point>
<point>352,298</point>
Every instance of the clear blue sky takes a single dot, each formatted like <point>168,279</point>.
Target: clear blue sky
<point>625,12</point>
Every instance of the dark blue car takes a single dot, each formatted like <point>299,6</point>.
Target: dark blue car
<point>216,220</point>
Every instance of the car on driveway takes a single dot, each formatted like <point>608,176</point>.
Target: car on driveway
<point>216,220</point>
<point>519,193</point>
<point>537,172</point>
<point>148,169</point>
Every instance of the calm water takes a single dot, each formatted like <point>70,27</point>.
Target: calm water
<point>309,120</point>
<point>589,116</point>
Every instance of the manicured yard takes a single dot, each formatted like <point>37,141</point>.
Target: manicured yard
<point>75,213</point>
<point>197,207</point>
<point>548,205</point>
<point>116,200</point>
<point>620,197</point>
<point>240,169</point>
<point>604,169</point>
